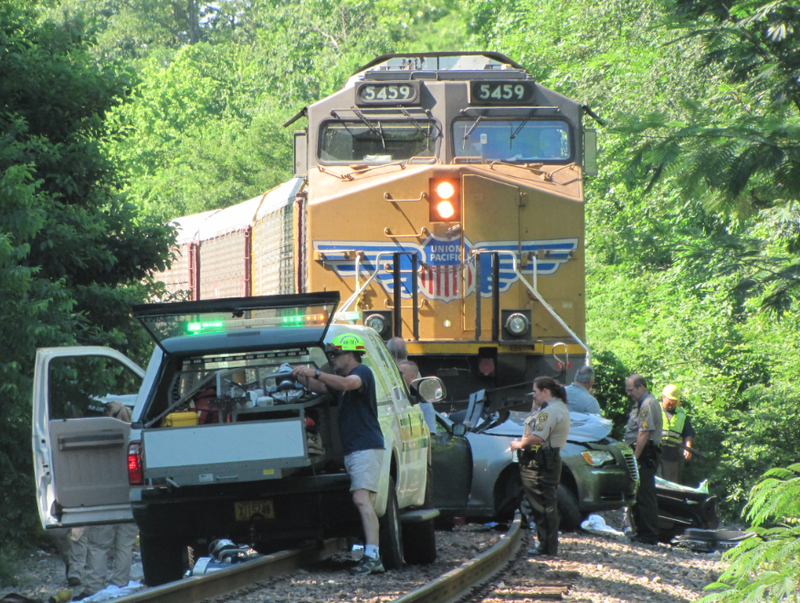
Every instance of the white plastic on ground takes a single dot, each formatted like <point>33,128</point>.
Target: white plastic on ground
<point>597,525</point>
<point>114,592</point>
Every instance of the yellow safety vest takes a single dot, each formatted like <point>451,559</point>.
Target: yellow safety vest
<point>673,428</point>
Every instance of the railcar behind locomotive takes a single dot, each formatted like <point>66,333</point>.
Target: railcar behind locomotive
<point>442,194</point>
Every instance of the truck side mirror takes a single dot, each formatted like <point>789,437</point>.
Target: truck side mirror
<point>430,389</point>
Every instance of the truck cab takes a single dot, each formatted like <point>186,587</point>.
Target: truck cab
<point>223,443</point>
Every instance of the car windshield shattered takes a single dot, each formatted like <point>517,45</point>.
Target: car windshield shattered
<point>376,140</point>
<point>512,139</point>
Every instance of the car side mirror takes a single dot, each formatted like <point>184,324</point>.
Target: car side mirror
<point>430,389</point>
<point>459,429</point>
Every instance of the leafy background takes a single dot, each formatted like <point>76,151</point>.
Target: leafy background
<point>117,114</point>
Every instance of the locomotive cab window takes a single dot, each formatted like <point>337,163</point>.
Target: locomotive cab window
<point>512,139</point>
<point>379,141</point>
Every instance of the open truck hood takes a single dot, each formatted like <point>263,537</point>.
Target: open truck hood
<point>289,320</point>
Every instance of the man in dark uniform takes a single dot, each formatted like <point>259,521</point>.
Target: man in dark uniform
<point>359,430</point>
<point>643,434</point>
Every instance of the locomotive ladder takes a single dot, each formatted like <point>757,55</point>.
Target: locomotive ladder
<point>496,295</point>
<point>397,283</point>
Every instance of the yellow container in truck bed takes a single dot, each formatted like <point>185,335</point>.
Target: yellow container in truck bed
<point>180,419</point>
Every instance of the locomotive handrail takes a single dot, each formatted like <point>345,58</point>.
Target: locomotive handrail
<point>388,197</point>
<point>423,232</point>
<point>359,169</point>
<point>536,294</point>
<point>506,108</point>
<point>335,174</point>
<point>527,166</point>
<point>359,289</point>
<point>570,166</point>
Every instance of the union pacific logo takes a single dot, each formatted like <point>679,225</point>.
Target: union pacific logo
<point>443,273</point>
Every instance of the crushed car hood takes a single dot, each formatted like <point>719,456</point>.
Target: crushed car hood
<point>583,427</point>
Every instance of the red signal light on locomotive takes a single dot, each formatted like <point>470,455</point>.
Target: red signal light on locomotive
<point>445,200</point>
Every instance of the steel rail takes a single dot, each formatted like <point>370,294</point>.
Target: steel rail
<point>450,587</point>
<point>457,583</point>
<point>197,588</point>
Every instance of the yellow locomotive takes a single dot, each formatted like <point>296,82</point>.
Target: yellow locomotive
<point>442,195</point>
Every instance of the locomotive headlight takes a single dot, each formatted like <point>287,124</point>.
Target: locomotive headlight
<point>381,321</point>
<point>445,190</point>
<point>377,322</point>
<point>445,199</point>
<point>517,324</point>
<point>445,209</point>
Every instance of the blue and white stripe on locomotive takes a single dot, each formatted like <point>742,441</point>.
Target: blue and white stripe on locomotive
<point>443,273</point>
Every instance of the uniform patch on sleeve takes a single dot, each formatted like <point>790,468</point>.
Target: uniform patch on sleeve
<point>542,417</point>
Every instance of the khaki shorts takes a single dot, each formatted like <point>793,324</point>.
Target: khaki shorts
<point>364,469</point>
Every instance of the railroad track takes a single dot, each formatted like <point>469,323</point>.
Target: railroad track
<point>471,581</point>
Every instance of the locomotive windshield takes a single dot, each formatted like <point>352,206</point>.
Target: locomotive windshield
<point>512,139</point>
<point>376,141</point>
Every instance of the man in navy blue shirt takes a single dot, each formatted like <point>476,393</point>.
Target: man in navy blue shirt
<point>360,432</point>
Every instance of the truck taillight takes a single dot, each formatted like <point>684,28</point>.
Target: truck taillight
<point>135,471</point>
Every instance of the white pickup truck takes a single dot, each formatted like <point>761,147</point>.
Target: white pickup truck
<point>222,444</point>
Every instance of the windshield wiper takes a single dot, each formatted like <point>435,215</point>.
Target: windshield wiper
<point>472,127</point>
<point>375,130</point>
<point>522,125</point>
<point>414,122</point>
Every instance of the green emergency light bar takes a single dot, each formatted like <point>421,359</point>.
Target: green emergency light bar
<point>296,320</point>
<point>196,327</point>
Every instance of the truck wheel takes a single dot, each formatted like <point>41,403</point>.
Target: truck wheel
<point>162,559</point>
<point>419,542</point>
<point>391,537</point>
<point>568,511</point>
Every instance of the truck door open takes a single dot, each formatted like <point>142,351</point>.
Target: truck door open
<point>80,456</point>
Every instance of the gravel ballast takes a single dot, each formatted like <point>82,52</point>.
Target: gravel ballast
<point>601,570</point>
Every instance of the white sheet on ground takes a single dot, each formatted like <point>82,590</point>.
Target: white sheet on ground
<point>597,525</point>
<point>114,592</point>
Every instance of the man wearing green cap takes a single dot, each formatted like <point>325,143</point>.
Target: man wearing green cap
<point>677,434</point>
<point>359,431</point>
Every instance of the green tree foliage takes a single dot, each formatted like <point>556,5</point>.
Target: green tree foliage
<point>738,150</point>
<point>132,29</point>
<point>766,567</point>
<point>609,388</point>
<point>73,253</point>
<point>205,128</point>
<point>670,275</point>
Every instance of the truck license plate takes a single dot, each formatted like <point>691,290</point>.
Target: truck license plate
<point>247,510</point>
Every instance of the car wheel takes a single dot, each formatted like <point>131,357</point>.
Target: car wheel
<point>391,537</point>
<point>162,559</point>
<point>568,511</point>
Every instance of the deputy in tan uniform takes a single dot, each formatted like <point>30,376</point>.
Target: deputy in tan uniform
<point>643,434</point>
<point>543,438</point>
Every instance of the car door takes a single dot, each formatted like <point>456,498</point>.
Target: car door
<point>80,456</point>
<point>451,467</point>
<point>413,440</point>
